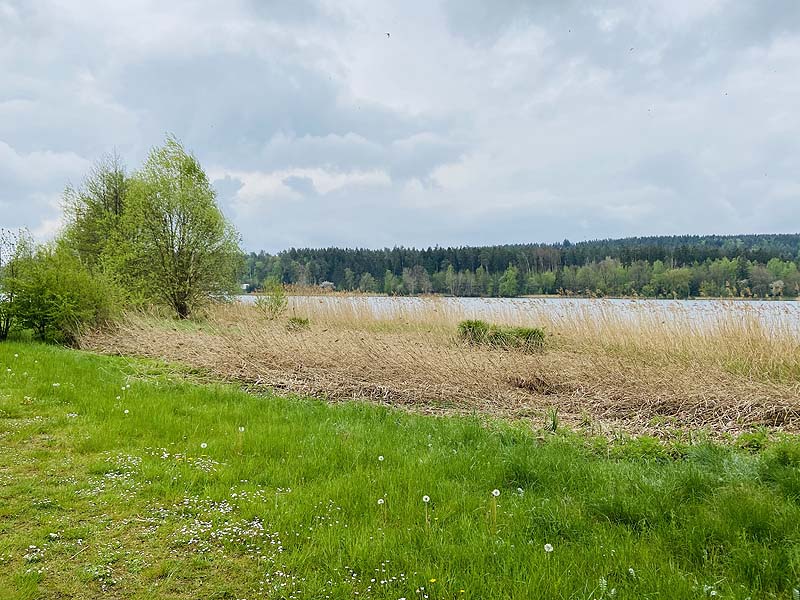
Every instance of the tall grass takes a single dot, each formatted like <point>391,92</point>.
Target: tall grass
<point>120,479</point>
<point>634,370</point>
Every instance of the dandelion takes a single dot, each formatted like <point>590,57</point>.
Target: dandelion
<point>548,548</point>
<point>631,572</point>
<point>126,411</point>
<point>16,356</point>
<point>495,493</point>
<point>119,397</point>
<point>204,445</point>
<point>426,499</point>
<point>241,429</point>
<point>380,500</point>
<point>54,385</point>
<point>433,580</point>
<point>380,458</point>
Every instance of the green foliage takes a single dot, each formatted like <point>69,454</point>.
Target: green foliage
<point>509,282</point>
<point>668,267</point>
<point>57,297</point>
<point>14,247</point>
<point>273,302</point>
<point>94,212</point>
<point>476,332</point>
<point>298,324</point>
<point>164,492</point>
<point>177,249</point>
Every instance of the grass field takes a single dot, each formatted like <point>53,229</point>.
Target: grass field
<point>121,478</point>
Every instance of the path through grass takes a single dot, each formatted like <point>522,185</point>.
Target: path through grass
<point>120,479</point>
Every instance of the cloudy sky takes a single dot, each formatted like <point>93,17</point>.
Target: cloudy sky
<point>474,121</point>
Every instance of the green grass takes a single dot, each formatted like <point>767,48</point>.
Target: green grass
<point>97,502</point>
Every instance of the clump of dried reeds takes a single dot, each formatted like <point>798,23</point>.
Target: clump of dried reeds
<point>635,369</point>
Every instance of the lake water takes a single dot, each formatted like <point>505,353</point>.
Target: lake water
<point>774,314</point>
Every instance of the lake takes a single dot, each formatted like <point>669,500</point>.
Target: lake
<point>774,314</point>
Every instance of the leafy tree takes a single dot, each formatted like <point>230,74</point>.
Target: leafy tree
<point>94,211</point>
<point>367,283</point>
<point>179,249</point>
<point>349,279</point>
<point>509,282</point>
<point>14,247</point>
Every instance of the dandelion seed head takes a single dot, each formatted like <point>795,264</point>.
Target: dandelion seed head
<point>548,547</point>
<point>380,500</point>
<point>495,493</point>
<point>426,499</point>
<point>126,411</point>
<point>204,445</point>
<point>241,429</point>
<point>380,458</point>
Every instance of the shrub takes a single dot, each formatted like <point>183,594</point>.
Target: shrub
<point>57,297</point>
<point>478,332</point>
<point>14,246</point>
<point>298,324</point>
<point>273,302</point>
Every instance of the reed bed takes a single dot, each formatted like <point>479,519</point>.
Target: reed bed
<point>641,370</point>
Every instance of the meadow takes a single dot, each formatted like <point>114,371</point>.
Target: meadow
<point>135,478</point>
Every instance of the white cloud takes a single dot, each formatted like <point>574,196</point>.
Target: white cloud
<point>473,122</point>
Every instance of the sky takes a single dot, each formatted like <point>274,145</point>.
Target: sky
<point>417,123</point>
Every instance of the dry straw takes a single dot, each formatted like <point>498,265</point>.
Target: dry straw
<point>649,368</point>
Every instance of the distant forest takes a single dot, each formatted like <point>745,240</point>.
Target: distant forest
<point>669,266</point>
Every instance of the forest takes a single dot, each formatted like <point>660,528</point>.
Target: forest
<point>761,266</point>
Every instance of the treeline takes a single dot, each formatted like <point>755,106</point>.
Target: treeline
<point>674,267</point>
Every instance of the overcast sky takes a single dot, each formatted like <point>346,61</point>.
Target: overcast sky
<point>474,121</point>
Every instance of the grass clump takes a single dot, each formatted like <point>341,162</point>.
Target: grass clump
<point>477,332</point>
<point>298,324</point>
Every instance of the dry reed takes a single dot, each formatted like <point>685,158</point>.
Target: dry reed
<point>637,370</point>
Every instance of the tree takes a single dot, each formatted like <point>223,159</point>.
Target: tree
<point>349,279</point>
<point>94,211</point>
<point>367,283</point>
<point>15,246</point>
<point>179,249</point>
<point>509,282</point>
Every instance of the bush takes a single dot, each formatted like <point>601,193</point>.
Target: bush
<point>478,332</point>
<point>298,324</point>
<point>273,303</point>
<point>57,298</point>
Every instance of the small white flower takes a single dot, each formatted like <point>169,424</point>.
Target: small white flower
<point>380,501</point>
<point>126,411</point>
<point>426,499</point>
<point>380,458</point>
<point>548,547</point>
<point>495,493</point>
<point>204,445</point>
<point>631,572</point>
